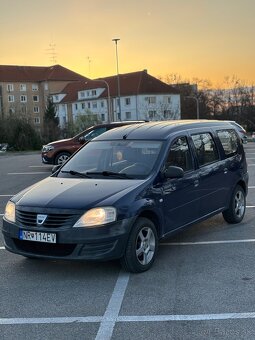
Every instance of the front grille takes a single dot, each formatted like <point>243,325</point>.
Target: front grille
<point>28,219</point>
<point>40,248</point>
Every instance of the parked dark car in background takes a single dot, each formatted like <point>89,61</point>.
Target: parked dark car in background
<point>241,131</point>
<point>59,151</point>
<point>127,189</point>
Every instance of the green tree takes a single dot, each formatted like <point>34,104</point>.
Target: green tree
<point>51,130</point>
<point>19,133</point>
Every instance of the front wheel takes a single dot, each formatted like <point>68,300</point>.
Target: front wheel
<point>141,247</point>
<point>236,210</point>
<point>62,158</point>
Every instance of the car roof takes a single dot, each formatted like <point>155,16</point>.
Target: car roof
<point>159,130</point>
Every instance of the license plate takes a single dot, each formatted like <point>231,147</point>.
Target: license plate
<point>37,236</point>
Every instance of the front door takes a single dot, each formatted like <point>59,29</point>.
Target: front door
<point>180,195</point>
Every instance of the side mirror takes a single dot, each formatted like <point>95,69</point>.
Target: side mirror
<point>56,168</point>
<point>174,172</point>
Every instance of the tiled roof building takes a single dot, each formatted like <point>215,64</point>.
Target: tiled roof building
<point>142,96</point>
<point>24,89</point>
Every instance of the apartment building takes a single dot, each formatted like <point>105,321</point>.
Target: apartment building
<point>141,96</point>
<point>24,90</point>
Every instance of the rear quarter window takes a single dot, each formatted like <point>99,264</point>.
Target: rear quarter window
<point>205,148</point>
<point>229,141</point>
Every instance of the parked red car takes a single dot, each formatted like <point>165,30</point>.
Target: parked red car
<point>59,151</point>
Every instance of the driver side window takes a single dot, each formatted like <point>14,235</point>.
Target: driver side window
<point>179,154</point>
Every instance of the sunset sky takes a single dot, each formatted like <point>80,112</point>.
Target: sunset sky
<point>208,39</point>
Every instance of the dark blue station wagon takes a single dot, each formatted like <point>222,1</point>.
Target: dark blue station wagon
<point>128,188</point>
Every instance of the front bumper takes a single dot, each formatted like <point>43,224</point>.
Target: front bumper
<point>46,159</point>
<point>100,243</point>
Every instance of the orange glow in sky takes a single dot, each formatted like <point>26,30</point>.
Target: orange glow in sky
<point>206,39</point>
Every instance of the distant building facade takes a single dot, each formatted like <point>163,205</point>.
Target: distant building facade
<point>24,90</point>
<point>142,96</point>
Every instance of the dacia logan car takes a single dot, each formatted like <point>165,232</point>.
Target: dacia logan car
<point>127,189</point>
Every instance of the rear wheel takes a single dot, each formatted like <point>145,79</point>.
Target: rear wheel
<point>236,210</point>
<point>141,247</point>
<point>62,158</point>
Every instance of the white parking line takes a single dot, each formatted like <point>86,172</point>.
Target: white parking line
<point>128,318</point>
<point>46,166</point>
<point>2,248</point>
<point>6,195</point>
<point>26,173</point>
<point>251,164</point>
<point>112,311</point>
<point>194,317</point>
<point>206,242</point>
<point>22,321</point>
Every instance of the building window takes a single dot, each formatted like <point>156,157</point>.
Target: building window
<point>37,120</point>
<point>36,109</point>
<point>128,115</point>
<point>152,114</point>
<point>103,117</point>
<point>56,98</point>
<point>151,100</point>
<point>10,87</point>
<point>35,98</point>
<point>23,99</point>
<point>23,87</point>
<point>94,105</point>
<point>102,104</point>
<point>10,98</point>
<point>167,113</point>
<point>88,105</point>
<point>82,94</point>
<point>23,109</point>
<point>76,106</point>
<point>127,101</point>
<point>35,87</point>
<point>94,92</point>
<point>83,106</point>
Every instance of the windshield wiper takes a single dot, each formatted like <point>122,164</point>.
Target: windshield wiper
<point>76,173</point>
<point>109,174</point>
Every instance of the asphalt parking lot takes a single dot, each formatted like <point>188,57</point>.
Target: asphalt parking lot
<point>202,284</point>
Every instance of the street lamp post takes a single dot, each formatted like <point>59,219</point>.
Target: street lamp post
<point>197,102</point>
<point>118,76</point>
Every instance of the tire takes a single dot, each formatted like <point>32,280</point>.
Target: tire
<point>61,158</point>
<point>236,210</point>
<point>141,248</point>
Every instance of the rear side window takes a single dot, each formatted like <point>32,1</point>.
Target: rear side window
<point>94,133</point>
<point>179,154</point>
<point>205,147</point>
<point>229,141</point>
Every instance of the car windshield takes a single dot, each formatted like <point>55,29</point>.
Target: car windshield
<point>113,159</point>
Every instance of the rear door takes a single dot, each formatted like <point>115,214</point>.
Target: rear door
<point>212,188</point>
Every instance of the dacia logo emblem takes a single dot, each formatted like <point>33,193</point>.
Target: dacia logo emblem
<point>40,219</point>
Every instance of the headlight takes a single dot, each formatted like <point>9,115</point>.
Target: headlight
<point>9,213</point>
<point>47,148</point>
<point>96,217</point>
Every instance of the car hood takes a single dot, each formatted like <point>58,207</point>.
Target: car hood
<point>61,141</point>
<point>69,193</point>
